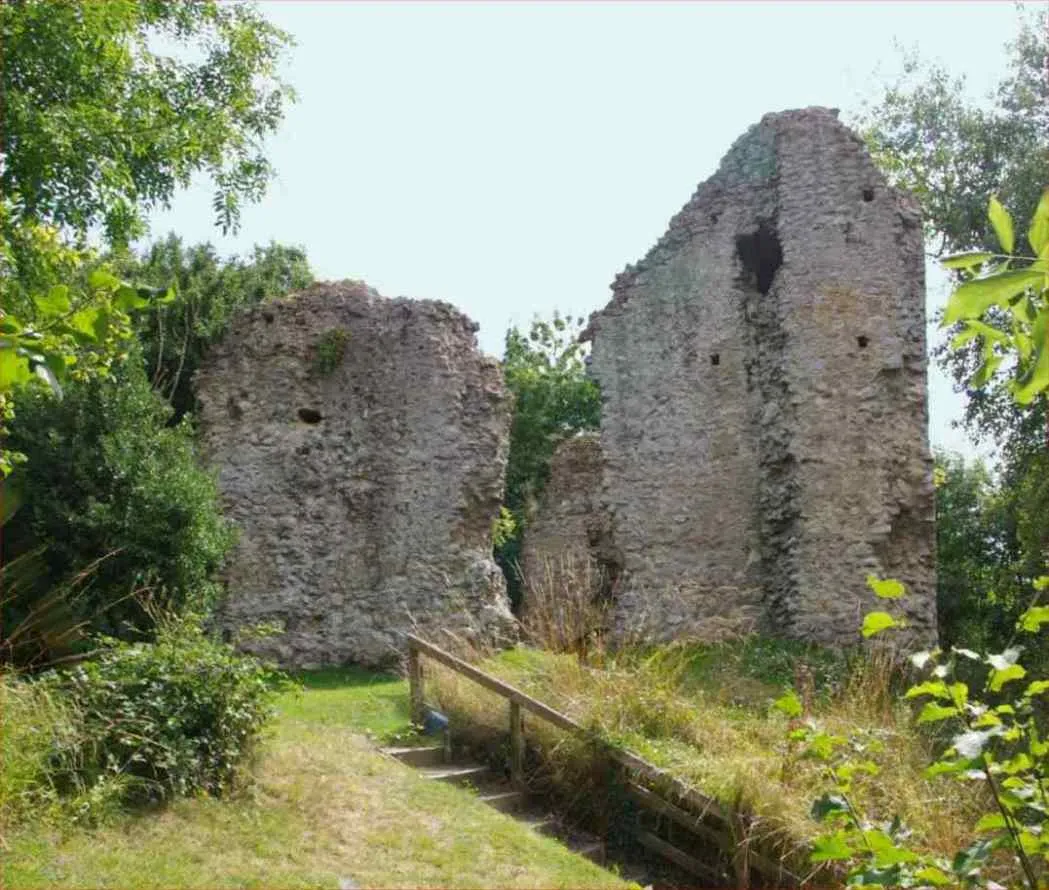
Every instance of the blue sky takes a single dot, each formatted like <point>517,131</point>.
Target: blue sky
<point>512,158</point>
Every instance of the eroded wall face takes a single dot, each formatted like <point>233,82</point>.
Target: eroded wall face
<point>363,477</point>
<point>764,375</point>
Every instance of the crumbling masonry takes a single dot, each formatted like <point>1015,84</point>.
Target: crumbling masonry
<point>763,371</point>
<point>361,446</point>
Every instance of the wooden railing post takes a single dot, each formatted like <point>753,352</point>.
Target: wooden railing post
<point>516,744</point>
<point>415,683</point>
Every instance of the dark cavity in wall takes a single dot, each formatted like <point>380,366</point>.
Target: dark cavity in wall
<point>310,415</point>
<point>760,255</point>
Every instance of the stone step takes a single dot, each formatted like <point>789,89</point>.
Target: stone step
<point>430,755</point>
<point>505,801</point>
<point>456,775</point>
<point>592,850</point>
<point>542,824</point>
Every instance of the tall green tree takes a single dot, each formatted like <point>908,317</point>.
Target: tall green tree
<point>955,153</point>
<point>545,369</point>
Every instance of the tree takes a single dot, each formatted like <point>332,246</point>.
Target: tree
<point>106,109</point>
<point>175,335</point>
<point>973,550</point>
<point>553,398</point>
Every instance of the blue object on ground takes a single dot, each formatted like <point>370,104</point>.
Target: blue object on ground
<point>434,722</point>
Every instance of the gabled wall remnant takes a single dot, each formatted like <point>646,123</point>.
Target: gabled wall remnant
<point>763,371</point>
<point>361,444</point>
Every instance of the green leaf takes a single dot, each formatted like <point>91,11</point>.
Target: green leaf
<point>1039,232</point>
<point>102,279</point>
<point>965,260</point>
<point>1037,380</point>
<point>975,297</point>
<point>887,589</point>
<point>932,875</point>
<point>1041,583</point>
<point>789,704</point>
<point>936,688</point>
<point>831,848</point>
<point>127,299</point>
<point>1002,223</point>
<point>85,322</point>
<point>973,329</point>
<point>54,302</point>
<point>876,622</point>
<point>14,368</point>
<point>1000,677</point>
<point>933,712</point>
<point>1034,618</point>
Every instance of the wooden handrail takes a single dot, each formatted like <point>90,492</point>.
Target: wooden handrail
<point>701,805</point>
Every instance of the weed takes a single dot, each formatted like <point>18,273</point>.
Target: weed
<point>329,351</point>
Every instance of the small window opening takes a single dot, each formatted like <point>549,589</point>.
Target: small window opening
<point>760,255</point>
<point>862,341</point>
<point>868,194</point>
<point>310,415</point>
<point>715,358</point>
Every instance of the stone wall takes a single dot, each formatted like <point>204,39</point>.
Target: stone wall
<point>763,371</point>
<point>568,543</point>
<point>361,444</point>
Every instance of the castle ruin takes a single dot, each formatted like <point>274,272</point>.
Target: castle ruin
<point>763,372</point>
<point>361,446</point>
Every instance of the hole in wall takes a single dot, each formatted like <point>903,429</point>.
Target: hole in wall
<point>761,255</point>
<point>310,415</point>
<point>268,316</point>
<point>862,341</point>
<point>868,194</point>
<point>715,358</point>
<point>714,217</point>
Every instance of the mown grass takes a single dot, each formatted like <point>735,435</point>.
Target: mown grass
<point>324,807</point>
<point>704,713</point>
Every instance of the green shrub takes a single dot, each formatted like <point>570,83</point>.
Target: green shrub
<point>113,492</point>
<point>175,717</point>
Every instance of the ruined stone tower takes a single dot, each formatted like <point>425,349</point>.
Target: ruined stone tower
<point>361,444</point>
<point>763,370</point>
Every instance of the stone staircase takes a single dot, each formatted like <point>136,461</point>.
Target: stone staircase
<point>433,763</point>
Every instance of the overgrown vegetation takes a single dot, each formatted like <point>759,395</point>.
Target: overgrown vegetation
<point>323,807</point>
<point>545,370</point>
<point>329,352</point>
<point>704,712</point>
<point>114,491</point>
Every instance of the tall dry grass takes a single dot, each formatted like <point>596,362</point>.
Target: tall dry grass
<point>703,712</point>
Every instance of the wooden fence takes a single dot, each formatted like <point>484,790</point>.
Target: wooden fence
<point>648,785</point>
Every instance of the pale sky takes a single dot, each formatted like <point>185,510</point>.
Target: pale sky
<point>512,158</point>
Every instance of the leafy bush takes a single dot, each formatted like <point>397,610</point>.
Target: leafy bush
<point>111,487</point>
<point>329,351</point>
<point>176,716</point>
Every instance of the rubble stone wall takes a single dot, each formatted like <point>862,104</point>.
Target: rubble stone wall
<point>763,371</point>
<point>361,445</point>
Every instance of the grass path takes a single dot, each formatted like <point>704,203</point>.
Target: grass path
<point>325,807</point>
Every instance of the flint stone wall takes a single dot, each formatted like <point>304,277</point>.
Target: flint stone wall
<point>569,541</point>
<point>364,496</point>
<point>763,371</point>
